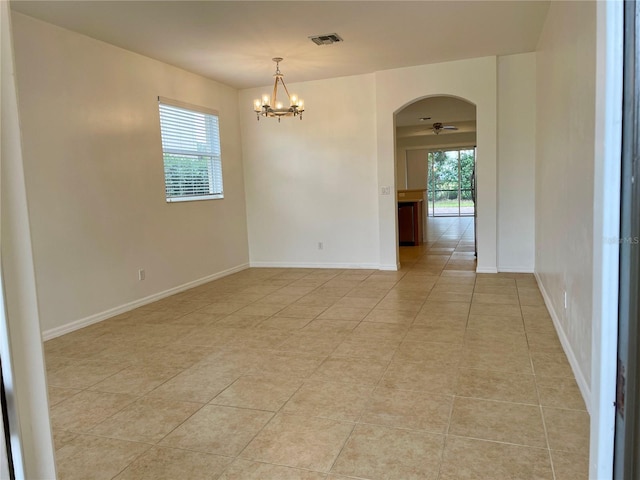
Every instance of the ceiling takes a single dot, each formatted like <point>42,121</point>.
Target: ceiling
<point>233,41</point>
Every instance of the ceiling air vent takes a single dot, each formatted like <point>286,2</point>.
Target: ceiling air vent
<point>326,39</point>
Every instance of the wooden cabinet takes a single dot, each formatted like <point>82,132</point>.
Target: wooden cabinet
<point>410,222</point>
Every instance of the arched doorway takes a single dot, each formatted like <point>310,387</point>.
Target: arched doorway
<point>435,140</point>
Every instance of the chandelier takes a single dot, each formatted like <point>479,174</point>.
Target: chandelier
<point>272,107</point>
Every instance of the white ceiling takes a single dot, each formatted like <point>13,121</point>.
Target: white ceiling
<point>233,41</point>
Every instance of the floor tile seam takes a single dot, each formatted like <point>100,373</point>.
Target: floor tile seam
<point>501,442</point>
<point>467,397</point>
<point>262,462</point>
<point>546,438</point>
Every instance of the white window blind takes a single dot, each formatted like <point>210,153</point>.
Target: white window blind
<point>191,152</point>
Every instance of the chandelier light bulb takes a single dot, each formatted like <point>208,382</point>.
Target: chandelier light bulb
<point>294,100</point>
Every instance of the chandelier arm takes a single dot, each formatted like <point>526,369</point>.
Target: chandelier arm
<point>274,96</point>
<point>285,89</point>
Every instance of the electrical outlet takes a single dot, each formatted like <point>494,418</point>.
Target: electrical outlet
<point>565,300</point>
<point>320,246</point>
<point>141,274</point>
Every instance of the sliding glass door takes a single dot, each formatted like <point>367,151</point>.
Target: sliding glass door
<point>450,182</point>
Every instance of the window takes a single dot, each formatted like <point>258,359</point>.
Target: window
<point>191,152</point>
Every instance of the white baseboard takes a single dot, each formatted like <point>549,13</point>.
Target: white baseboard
<point>573,361</point>
<point>99,317</point>
<point>358,266</point>
<point>486,270</point>
<point>516,269</point>
<point>391,267</point>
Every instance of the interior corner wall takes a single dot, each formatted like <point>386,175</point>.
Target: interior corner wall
<point>516,162</point>
<point>416,162</point>
<point>311,183</point>
<point>474,80</point>
<point>565,159</point>
<point>95,178</point>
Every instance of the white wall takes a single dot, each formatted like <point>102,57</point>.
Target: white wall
<point>95,181</point>
<point>473,80</point>
<point>516,162</point>
<point>416,161</point>
<point>566,77</point>
<point>313,180</point>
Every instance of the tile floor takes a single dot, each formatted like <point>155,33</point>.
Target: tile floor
<point>432,372</point>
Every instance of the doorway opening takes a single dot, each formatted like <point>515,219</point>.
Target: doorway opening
<point>451,182</point>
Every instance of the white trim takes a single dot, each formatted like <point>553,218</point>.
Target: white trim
<point>391,267</point>
<point>358,266</point>
<point>566,346</point>
<point>99,317</point>
<point>516,269</point>
<point>486,270</point>
<point>606,223</point>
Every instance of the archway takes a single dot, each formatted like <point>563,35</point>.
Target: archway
<point>472,80</point>
<point>435,139</point>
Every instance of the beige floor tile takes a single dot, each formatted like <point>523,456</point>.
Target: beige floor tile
<point>495,299</point>
<point>503,358</point>
<point>408,302</point>
<point>428,352</point>
<point>177,355</point>
<point>444,308</point>
<point>284,323</point>
<point>147,420</point>
<point>379,452</point>
<point>93,458</point>
<point>560,392</point>
<point>293,364</point>
<point>330,326</point>
<point>258,392</point>
<point>337,312</point>
<point>85,410</point>
<point>535,312</point>
<point>567,430</point>
<point>313,344</point>
<point>551,364</point>
<point>197,384</point>
<point>82,374</point>
<point>247,470</point>
<point>366,347</point>
<point>62,437</point>
<point>437,295</point>
<point>296,441</point>
<point>57,395</point>
<point>570,466</point>
<point>434,378</point>
<point>390,316</point>
<point>160,463</point>
<point>436,333</point>
<point>468,459</point>
<point>498,421</point>
<point>301,311</point>
<point>489,324</point>
<point>137,379</point>
<point>381,331</point>
<point>225,308</point>
<point>492,385</point>
<point>408,409</point>
<point>356,371</point>
<point>496,289</point>
<point>218,430</point>
<point>336,401</point>
<point>241,320</point>
<point>494,309</point>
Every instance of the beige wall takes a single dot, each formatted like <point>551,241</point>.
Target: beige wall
<point>314,180</point>
<point>95,181</point>
<point>516,162</point>
<point>566,79</point>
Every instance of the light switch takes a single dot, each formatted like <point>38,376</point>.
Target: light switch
<point>385,190</point>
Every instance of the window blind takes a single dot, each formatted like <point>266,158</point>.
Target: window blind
<point>191,153</point>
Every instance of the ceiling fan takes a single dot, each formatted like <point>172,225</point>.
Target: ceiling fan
<point>438,127</point>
